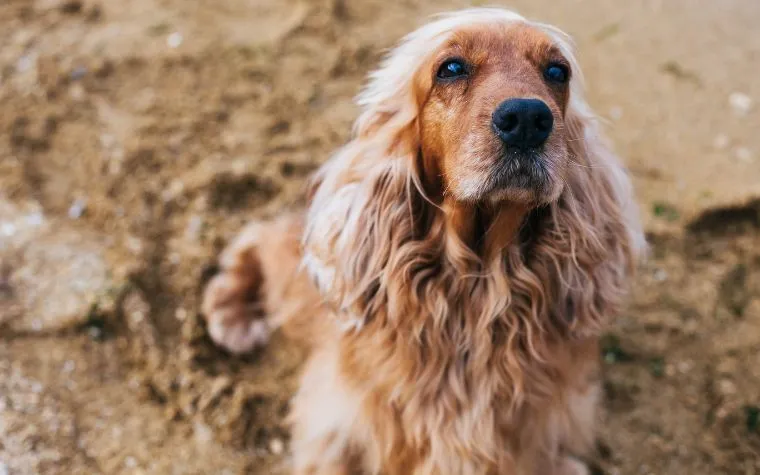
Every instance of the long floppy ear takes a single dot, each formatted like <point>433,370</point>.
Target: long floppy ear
<point>367,207</point>
<point>596,239</point>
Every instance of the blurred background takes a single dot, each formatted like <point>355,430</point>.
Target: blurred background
<point>136,137</point>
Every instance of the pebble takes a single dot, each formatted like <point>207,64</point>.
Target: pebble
<point>180,314</point>
<point>740,103</point>
<point>660,275</point>
<point>203,433</point>
<point>130,462</point>
<point>276,446</point>
<point>174,40</point>
<point>77,208</point>
<point>76,92</point>
<point>726,387</point>
<point>685,366</point>
<point>25,63</point>
<point>721,141</point>
<point>8,229</point>
<point>194,227</point>
<point>134,244</point>
<point>743,154</point>
<point>135,308</point>
<point>95,333</point>
<point>78,73</point>
<point>34,219</point>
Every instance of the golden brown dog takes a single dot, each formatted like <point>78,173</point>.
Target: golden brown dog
<point>465,248</point>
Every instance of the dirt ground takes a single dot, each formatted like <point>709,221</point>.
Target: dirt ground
<point>137,136</point>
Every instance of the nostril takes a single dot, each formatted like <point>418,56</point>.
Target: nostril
<point>544,123</point>
<point>510,123</point>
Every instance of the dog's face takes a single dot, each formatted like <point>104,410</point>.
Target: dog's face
<point>492,116</point>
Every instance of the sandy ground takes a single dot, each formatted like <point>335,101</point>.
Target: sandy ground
<point>136,138</point>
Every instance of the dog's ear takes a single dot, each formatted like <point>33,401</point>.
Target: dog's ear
<point>391,103</point>
<point>367,206</point>
<point>596,225</point>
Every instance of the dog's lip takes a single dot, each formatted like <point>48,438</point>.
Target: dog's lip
<point>518,169</point>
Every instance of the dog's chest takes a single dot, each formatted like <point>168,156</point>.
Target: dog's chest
<point>450,417</point>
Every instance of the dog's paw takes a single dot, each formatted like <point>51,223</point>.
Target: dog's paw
<point>234,315</point>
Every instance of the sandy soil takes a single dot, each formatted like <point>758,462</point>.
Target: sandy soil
<point>136,137</point>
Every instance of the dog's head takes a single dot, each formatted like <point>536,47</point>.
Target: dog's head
<point>492,103</point>
<point>474,125</point>
<point>486,96</point>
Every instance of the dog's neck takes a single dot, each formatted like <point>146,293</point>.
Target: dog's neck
<point>488,231</point>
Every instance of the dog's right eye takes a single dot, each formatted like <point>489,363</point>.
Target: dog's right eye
<point>452,69</point>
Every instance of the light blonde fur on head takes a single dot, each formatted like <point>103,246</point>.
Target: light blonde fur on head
<point>458,350</point>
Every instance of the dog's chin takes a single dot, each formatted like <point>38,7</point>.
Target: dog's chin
<point>523,178</point>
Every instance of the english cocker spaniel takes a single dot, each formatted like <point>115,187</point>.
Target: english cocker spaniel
<point>465,249</point>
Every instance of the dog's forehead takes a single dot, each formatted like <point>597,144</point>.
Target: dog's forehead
<point>479,43</point>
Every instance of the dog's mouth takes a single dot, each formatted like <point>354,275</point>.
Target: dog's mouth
<point>524,172</point>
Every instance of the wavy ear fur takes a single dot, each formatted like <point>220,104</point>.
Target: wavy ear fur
<point>595,240</point>
<point>364,209</point>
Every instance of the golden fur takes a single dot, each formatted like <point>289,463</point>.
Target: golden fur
<point>454,320</point>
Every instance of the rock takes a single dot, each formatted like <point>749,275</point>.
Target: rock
<point>740,103</point>
<point>744,154</point>
<point>53,273</point>
<point>726,387</point>
<point>203,433</point>
<point>77,92</point>
<point>77,208</point>
<point>130,462</point>
<point>276,446</point>
<point>174,40</point>
<point>685,366</point>
<point>136,309</point>
<point>721,141</point>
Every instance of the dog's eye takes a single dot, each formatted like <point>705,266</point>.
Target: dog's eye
<point>451,69</point>
<point>557,73</point>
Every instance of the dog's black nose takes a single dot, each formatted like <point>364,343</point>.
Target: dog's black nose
<point>523,123</point>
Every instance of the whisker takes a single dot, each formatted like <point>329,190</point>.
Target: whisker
<point>572,162</point>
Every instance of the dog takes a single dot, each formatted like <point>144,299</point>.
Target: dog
<point>455,267</point>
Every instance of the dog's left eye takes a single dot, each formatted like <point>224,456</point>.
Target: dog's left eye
<point>451,69</point>
<point>557,73</point>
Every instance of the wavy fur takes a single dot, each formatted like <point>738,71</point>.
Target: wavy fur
<point>450,361</point>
